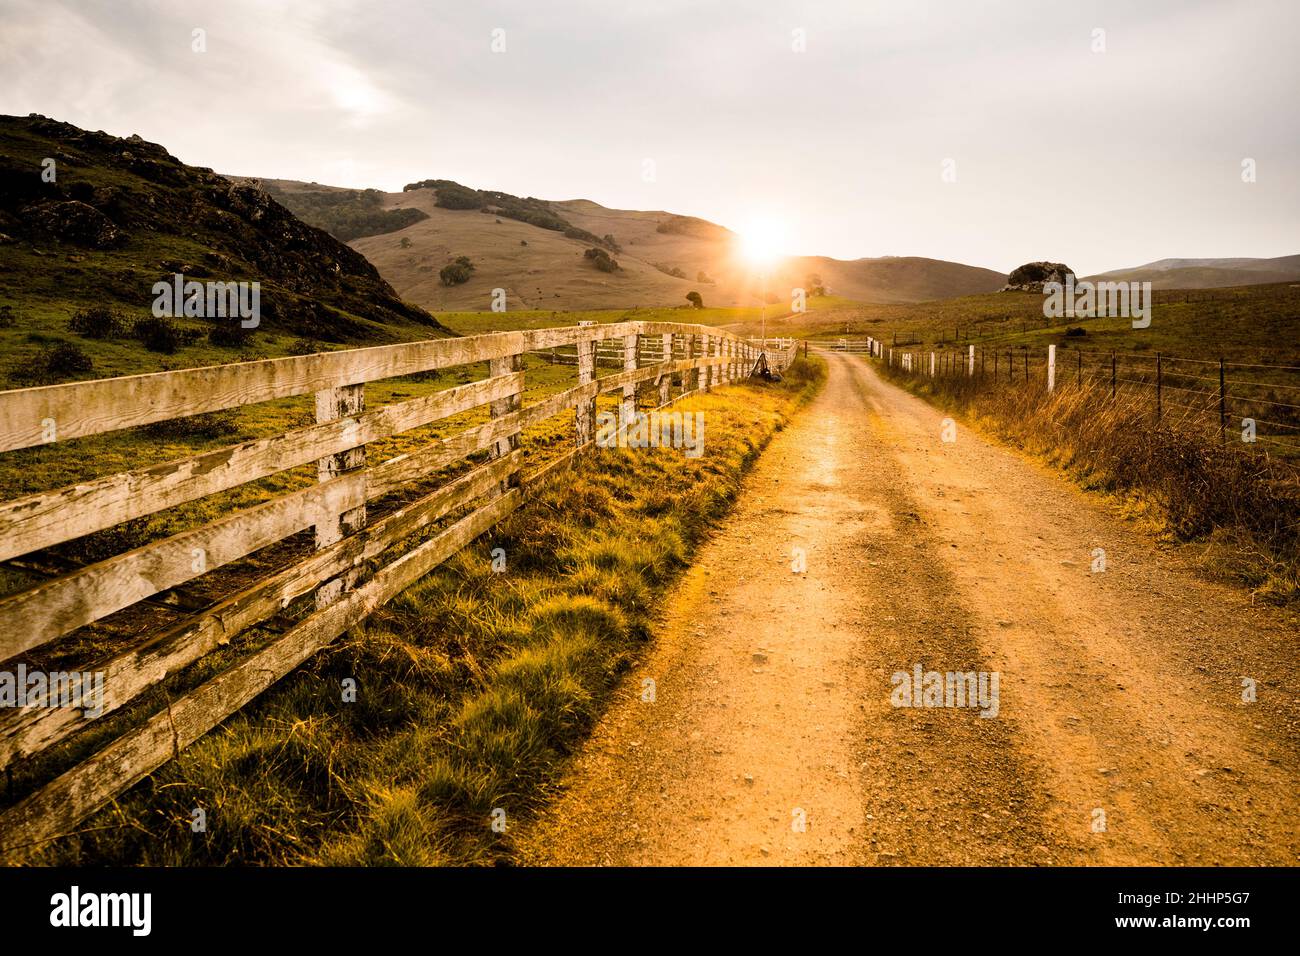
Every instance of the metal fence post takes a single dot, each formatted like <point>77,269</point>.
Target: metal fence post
<point>1223,406</point>
<point>1159,387</point>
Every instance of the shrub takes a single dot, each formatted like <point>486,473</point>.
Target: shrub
<point>162,334</point>
<point>97,322</point>
<point>1075,331</point>
<point>6,316</point>
<point>695,299</point>
<point>217,424</point>
<point>66,358</point>
<point>229,335</point>
<point>305,347</point>
<point>601,260</point>
<point>457,272</point>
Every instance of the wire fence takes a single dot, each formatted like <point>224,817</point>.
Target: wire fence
<point>1250,404</point>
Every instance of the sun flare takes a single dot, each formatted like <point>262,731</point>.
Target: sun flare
<point>762,241</point>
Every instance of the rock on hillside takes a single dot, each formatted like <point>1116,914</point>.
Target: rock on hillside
<point>109,217</point>
<point>1031,276</point>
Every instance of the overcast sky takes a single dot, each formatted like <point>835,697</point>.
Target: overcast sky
<point>1097,159</point>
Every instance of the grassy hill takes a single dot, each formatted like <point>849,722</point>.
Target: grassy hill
<point>536,251</point>
<point>1208,273</point>
<point>119,215</point>
<point>346,214</point>
<point>1255,323</point>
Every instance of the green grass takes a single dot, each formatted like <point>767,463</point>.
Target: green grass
<point>475,687</point>
<point>744,321</point>
<point>1249,324</point>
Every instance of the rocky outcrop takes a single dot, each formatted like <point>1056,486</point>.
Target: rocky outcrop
<point>132,195</point>
<point>1031,276</point>
<point>71,221</point>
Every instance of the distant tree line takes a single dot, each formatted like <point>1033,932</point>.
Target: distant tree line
<point>535,212</point>
<point>346,214</point>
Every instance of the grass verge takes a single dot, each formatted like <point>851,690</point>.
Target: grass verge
<point>471,688</point>
<point>1242,508</point>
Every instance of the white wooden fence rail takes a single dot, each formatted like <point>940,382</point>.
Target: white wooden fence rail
<point>658,354</point>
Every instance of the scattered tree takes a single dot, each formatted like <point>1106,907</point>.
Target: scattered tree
<point>601,259</point>
<point>695,299</point>
<point>457,272</point>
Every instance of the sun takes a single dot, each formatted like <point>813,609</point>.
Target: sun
<point>762,241</point>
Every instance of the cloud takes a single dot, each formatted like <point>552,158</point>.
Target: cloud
<point>1098,159</point>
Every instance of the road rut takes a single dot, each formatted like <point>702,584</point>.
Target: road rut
<point>1120,735</point>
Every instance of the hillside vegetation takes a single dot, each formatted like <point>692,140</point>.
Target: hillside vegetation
<point>534,250</point>
<point>107,217</point>
<point>1258,323</point>
<point>346,214</point>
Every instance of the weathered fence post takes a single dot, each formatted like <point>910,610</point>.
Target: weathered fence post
<point>505,365</point>
<point>970,362</point>
<point>692,376</point>
<point>631,345</point>
<point>333,404</point>
<point>932,365</point>
<point>1051,368</point>
<point>705,374</point>
<point>666,379</point>
<point>586,410</point>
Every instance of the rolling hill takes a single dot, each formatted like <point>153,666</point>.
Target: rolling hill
<point>1208,273</point>
<point>93,220</point>
<point>534,249</point>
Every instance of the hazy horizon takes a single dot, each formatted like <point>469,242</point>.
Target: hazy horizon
<point>1102,160</point>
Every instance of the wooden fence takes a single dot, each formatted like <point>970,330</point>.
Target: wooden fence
<point>867,346</point>
<point>336,580</point>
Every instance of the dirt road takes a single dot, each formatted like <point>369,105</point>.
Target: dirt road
<point>1120,736</point>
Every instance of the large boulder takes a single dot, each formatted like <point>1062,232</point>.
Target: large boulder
<point>1031,276</point>
<point>72,221</point>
